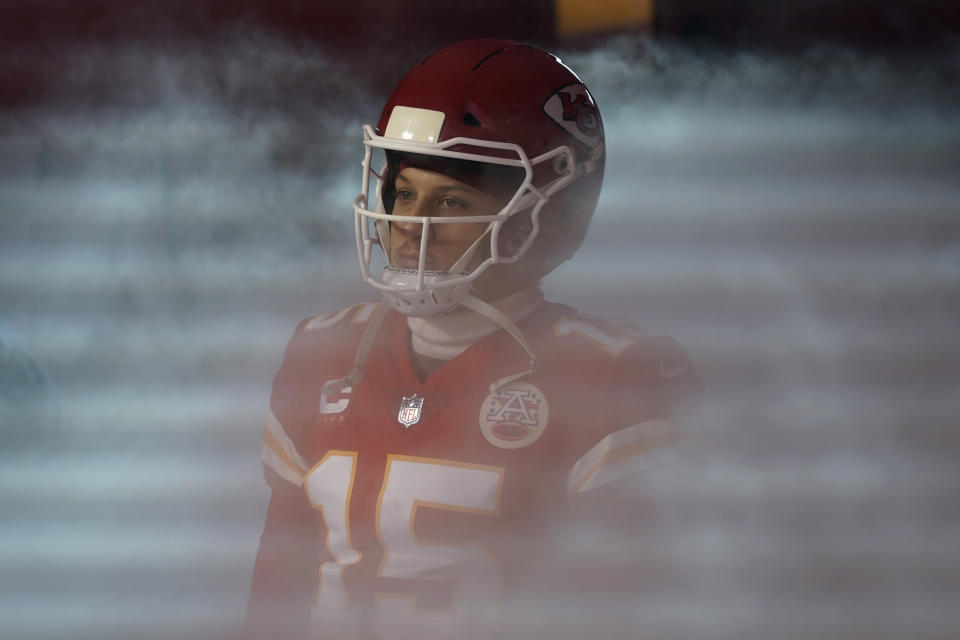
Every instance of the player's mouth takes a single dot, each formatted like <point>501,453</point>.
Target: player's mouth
<point>410,259</point>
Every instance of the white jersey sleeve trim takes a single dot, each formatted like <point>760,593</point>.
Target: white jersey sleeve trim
<point>623,452</point>
<point>361,314</point>
<point>327,320</point>
<point>280,454</point>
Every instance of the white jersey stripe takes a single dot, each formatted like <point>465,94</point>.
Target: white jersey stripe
<point>623,452</point>
<point>326,320</point>
<point>363,313</point>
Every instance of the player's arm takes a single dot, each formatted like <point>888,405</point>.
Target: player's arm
<point>284,576</point>
<point>649,401</point>
<point>644,409</point>
<point>285,573</point>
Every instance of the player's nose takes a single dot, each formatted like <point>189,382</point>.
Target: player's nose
<point>408,228</point>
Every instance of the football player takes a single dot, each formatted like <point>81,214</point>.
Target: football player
<point>424,450</point>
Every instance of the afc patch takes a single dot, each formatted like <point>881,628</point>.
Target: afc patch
<point>514,416</point>
<point>573,108</point>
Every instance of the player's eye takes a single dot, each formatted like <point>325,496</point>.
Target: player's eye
<point>404,194</point>
<point>450,202</point>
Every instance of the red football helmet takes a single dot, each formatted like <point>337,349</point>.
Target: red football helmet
<point>521,113</point>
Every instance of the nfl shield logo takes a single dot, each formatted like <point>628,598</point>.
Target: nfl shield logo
<point>410,411</point>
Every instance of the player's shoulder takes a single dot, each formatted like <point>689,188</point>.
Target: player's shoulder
<point>340,328</point>
<point>321,349</point>
<point>327,340</point>
<point>630,390</point>
<point>616,343</point>
<point>338,322</point>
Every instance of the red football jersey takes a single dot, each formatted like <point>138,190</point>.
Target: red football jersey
<point>404,507</point>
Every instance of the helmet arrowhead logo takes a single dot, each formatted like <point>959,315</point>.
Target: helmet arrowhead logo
<point>573,108</point>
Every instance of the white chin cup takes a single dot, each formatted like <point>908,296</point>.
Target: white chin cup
<point>433,300</point>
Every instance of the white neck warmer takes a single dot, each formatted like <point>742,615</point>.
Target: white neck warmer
<point>447,336</point>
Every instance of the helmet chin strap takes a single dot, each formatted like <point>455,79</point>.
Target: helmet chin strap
<point>485,309</point>
<point>478,306</point>
<point>493,314</point>
<point>462,261</point>
<point>356,374</point>
<point>496,316</point>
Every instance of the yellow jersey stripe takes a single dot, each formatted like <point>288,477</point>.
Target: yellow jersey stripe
<point>280,454</point>
<point>280,464</point>
<point>621,453</point>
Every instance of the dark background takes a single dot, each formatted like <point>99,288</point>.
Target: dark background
<point>780,23</point>
<point>379,37</point>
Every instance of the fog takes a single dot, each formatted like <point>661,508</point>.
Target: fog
<point>167,216</point>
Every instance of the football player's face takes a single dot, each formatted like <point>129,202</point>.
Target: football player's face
<point>420,192</point>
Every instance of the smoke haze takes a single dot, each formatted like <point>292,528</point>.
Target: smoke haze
<point>170,213</point>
